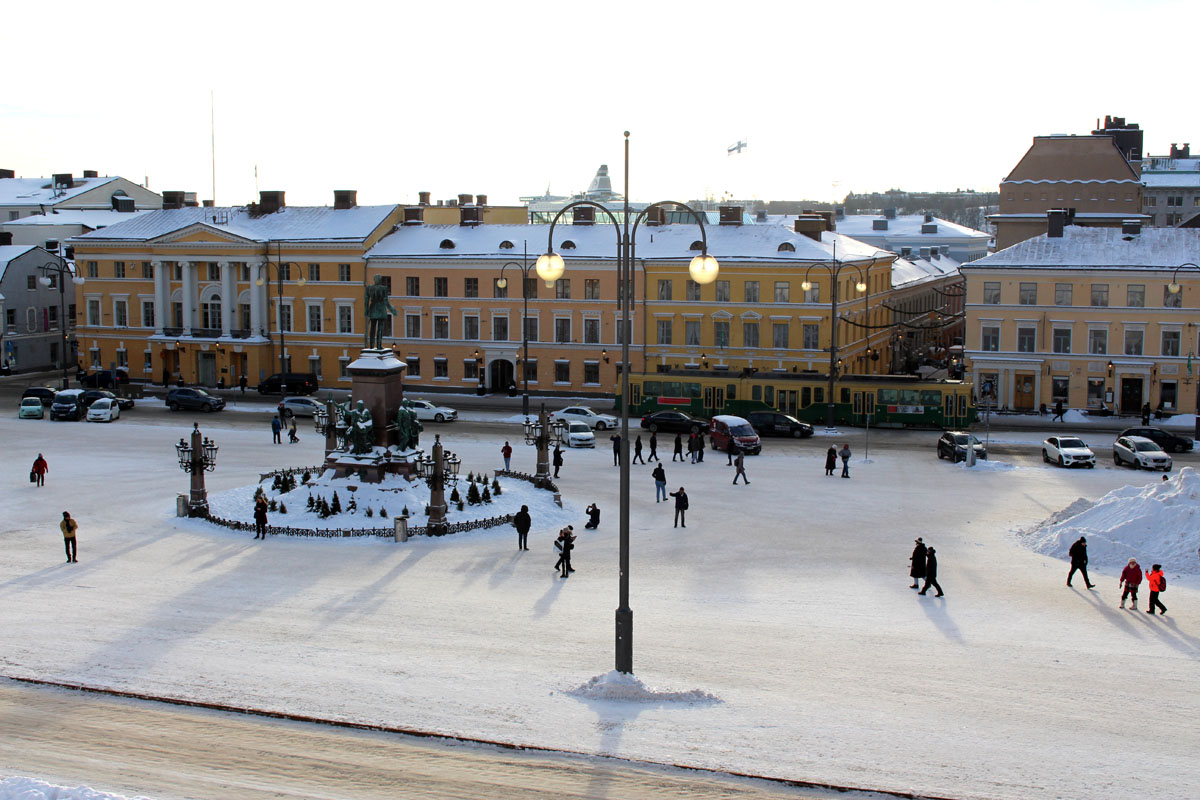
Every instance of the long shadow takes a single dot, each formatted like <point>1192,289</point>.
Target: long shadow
<point>1117,616</point>
<point>368,598</point>
<point>935,609</point>
<point>1174,638</point>
<point>506,570</point>
<point>542,606</point>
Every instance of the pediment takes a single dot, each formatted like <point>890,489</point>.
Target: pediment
<point>201,233</point>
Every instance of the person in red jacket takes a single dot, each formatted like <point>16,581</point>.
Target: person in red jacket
<point>40,468</point>
<point>1131,576</point>
<point>1157,583</point>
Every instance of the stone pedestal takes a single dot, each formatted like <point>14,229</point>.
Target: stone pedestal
<point>377,379</point>
<point>372,467</point>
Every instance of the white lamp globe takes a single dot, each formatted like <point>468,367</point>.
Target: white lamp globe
<point>550,267</point>
<point>704,269</point>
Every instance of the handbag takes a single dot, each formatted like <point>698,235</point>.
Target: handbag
<point>32,476</point>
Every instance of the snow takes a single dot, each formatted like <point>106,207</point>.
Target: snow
<point>620,687</point>
<point>33,789</point>
<point>291,223</point>
<point>1099,248</point>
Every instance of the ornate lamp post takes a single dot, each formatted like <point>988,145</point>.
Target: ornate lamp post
<point>437,470</point>
<point>540,434</point>
<point>502,283</point>
<point>262,280</point>
<point>60,270</point>
<point>330,422</point>
<point>703,269</point>
<point>834,268</point>
<point>197,458</point>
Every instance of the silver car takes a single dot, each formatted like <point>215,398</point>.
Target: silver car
<point>585,415</point>
<point>301,406</point>
<point>1140,453</point>
<point>428,411</point>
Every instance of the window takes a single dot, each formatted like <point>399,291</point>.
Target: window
<point>93,269</point>
<point>313,311</point>
<point>812,294</point>
<point>31,282</point>
<point>1174,201</point>
<point>95,352</point>
<point>285,317</point>
<point>148,361</point>
<point>176,315</point>
<point>991,292</point>
<point>591,289</point>
<point>441,326</point>
<point>591,372</point>
<point>314,273</point>
<point>531,328</point>
<point>1099,294</point>
<point>497,290</point>
<point>722,291</point>
<point>440,368</point>
<point>1151,201</point>
<point>1028,294</point>
<point>1098,341</point>
<point>500,329</point>
<point>624,332</point>
<point>664,290</point>
<point>344,273</point>
<point>721,332</point>
<point>52,318</point>
<point>212,272</point>
<point>562,288</point>
<point>531,371</point>
<point>412,286</point>
<point>345,316</point>
<point>147,313</point>
<point>10,319</point>
<point>176,270</point>
<point>470,369</point>
<point>749,334</point>
<point>562,372</point>
<point>591,331</point>
<point>343,368</point>
<point>750,290</point>
<point>412,326</point>
<point>691,332</point>
<point>118,269</point>
<point>1062,340</point>
<point>1063,294</point>
<point>441,288</point>
<point>471,328</point>
<point>1060,390</point>
<point>31,319</point>
<point>414,366</point>
<point>471,287</point>
<point>1026,340</point>
<point>530,290</point>
<point>562,330</point>
<point>691,289</point>
<point>664,331</point>
<point>783,291</point>
<point>210,313</point>
<point>1134,342</point>
<point>147,271</point>
<point>1136,295</point>
<point>93,312</point>
<point>285,272</point>
<point>1172,300</point>
<point>990,338</point>
<point>1170,343</point>
<point>811,333</point>
<point>779,335</point>
<point>244,316</point>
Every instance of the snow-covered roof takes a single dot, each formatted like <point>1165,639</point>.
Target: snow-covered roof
<point>88,218</point>
<point>905,225</point>
<point>41,191</point>
<point>1100,248</point>
<point>291,223</point>
<point>10,251</point>
<point>1170,180</point>
<point>911,271</point>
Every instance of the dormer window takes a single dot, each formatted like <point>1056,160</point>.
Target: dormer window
<point>568,245</point>
<point>787,247</point>
<point>446,244</point>
<point>697,245</point>
<point>506,245</point>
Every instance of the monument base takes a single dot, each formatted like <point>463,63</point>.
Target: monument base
<point>377,379</point>
<point>372,467</point>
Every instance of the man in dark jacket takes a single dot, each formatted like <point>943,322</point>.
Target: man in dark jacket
<point>681,506</point>
<point>931,573</point>
<point>616,440</point>
<point>260,517</point>
<point>740,464</point>
<point>660,483</point>
<point>521,522</point>
<point>1079,561</point>
<point>678,454</point>
<point>917,570</point>
<point>558,459</point>
<point>593,512</point>
<point>637,451</point>
<point>653,447</point>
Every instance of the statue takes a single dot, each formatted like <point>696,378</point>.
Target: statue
<point>360,428</point>
<point>378,309</point>
<point>408,427</point>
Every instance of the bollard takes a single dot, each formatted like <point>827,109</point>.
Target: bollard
<point>401,529</point>
<point>181,505</point>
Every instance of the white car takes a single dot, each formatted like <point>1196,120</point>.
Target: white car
<point>1140,453</point>
<point>428,411</point>
<point>578,434</point>
<point>301,406</point>
<point>585,415</point>
<point>103,410</point>
<point>1068,451</point>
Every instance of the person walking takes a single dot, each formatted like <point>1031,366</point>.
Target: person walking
<point>740,466</point>
<point>593,512</point>
<point>276,427</point>
<point>1131,576</point>
<point>678,448</point>
<point>1058,412</point>
<point>292,437</point>
<point>521,522</point>
<point>242,384</point>
<point>1079,561</point>
<point>729,451</point>
<point>653,448</point>
<point>637,451</point>
<point>917,559</point>
<point>931,573</point>
<point>39,470</point>
<point>1145,413</point>
<point>660,483</point>
<point>1157,583</point>
<point>699,448</point>
<point>845,454</point>
<point>506,452</point>
<point>260,517</point>
<point>564,544</point>
<point>557,458</point>
<point>616,440</point>
<point>68,527</point>
<point>681,507</point>
<point>830,460</point>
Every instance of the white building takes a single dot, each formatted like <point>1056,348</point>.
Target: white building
<point>907,234</point>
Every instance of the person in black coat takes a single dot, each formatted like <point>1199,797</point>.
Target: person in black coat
<point>917,570</point>
<point>593,512</point>
<point>616,440</point>
<point>1079,561</point>
<point>521,522</point>
<point>678,454</point>
<point>637,451</point>
<point>564,544</point>
<point>830,460</point>
<point>931,573</point>
<point>558,458</point>
<point>681,507</point>
<point>653,447</point>
<point>1146,414</point>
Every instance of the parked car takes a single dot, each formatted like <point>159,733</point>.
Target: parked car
<point>585,415</point>
<point>773,423</point>
<point>953,445</point>
<point>298,382</point>
<point>43,393</point>
<point>68,404</point>
<point>31,408</point>
<point>1140,453</point>
<point>188,399</point>
<point>1171,442</point>
<point>103,379</point>
<point>104,410</point>
<point>578,434</point>
<point>731,434</point>
<point>301,406</point>
<point>428,411</point>
<point>676,421</point>
<point>1068,451</point>
<point>92,395</point>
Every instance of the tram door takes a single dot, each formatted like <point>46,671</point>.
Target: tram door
<point>785,401</point>
<point>714,399</point>
<point>948,412</point>
<point>863,403</point>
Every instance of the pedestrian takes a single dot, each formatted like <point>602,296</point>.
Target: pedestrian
<point>242,384</point>
<point>593,512</point>
<point>653,447</point>
<point>830,460</point>
<point>1079,561</point>
<point>292,437</point>
<point>521,522</point>
<point>678,447</point>
<point>693,448</point>
<point>276,427</point>
<point>637,450</point>
<point>660,483</point>
<point>729,451</point>
<point>917,570</point>
<point>260,517</point>
<point>1131,576</point>
<point>931,573</point>
<point>681,507</point>
<point>845,454</point>
<point>1157,583</point>
<point>68,527</point>
<point>557,459</point>
<point>564,544</point>
<point>699,448</point>
<point>39,470</point>
<point>740,466</point>
<point>1058,412</point>
<point>616,440</point>
<point>1145,413</point>
<point>506,451</point>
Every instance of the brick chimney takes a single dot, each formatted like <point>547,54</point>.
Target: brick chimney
<point>91,173</point>
<point>423,198</point>
<point>270,202</point>
<point>481,199</point>
<point>415,215</point>
<point>345,198</point>
<point>811,225</point>
<point>172,199</point>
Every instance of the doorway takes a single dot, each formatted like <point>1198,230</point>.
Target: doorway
<point>1131,395</point>
<point>206,369</point>
<point>501,375</point>
<point>1023,399</point>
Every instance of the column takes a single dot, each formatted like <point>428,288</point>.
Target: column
<point>187,270</point>
<point>162,297</point>
<point>256,300</point>
<point>228,300</point>
<point>1037,389</point>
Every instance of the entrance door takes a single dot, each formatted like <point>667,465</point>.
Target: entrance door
<point>1131,395</point>
<point>785,401</point>
<point>206,369</point>
<point>1023,399</point>
<point>501,375</point>
<point>714,399</point>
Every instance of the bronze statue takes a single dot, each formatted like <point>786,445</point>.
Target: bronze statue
<point>408,427</point>
<point>378,309</point>
<point>360,428</point>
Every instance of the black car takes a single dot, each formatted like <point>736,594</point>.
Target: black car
<point>297,383</point>
<point>1171,442</point>
<point>953,445</point>
<point>104,379</point>
<point>188,399</point>
<point>68,404</point>
<point>773,423</point>
<point>43,393</point>
<point>674,421</point>
<point>92,395</point>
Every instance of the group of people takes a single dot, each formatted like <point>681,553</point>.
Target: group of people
<point>924,567</point>
<point>563,545</point>
<point>284,418</point>
<point>1131,578</point>
<point>831,458</point>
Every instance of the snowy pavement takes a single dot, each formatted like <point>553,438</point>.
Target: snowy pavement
<point>775,635</point>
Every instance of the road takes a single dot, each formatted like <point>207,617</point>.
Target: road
<point>166,752</point>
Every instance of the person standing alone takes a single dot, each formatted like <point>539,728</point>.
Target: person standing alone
<point>521,522</point>
<point>1079,561</point>
<point>660,483</point>
<point>40,468</point>
<point>260,517</point>
<point>1131,576</point>
<point>931,573</point>
<point>616,440</point>
<point>678,453</point>
<point>917,570</point>
<point>68,527</point>
<point>276,427</point>
<point>637,451</point>
<point>830,460</point>
<point>845,454</point>
<point>557,460</point>
<point>681,507</point>
<point>1157,582</point>
<point>506,452</point>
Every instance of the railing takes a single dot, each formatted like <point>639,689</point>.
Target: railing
<point>541,483</point>
<point>172,331</point>
<point>240,333</point>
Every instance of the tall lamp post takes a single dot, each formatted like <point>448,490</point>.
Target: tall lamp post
<point>197,458</point>
<point>834,268</point>
<point>703,269</point>
<point>58,272</point>
<point>262,280</point>
<point>1174,287</point>
<point>540,434</point>
<point>438,469</point>
<point>502,283</point>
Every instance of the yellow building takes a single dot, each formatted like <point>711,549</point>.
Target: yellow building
<point>1086,316</point>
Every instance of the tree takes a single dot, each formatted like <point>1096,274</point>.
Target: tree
<point>282,507</point>
<point>496,486</point>
<point>382,512</point>
<point>352,506</point>
<point>455,496</point>
<point>336,506</point>
<point>487,495</point>
<point>312,504</point>
<point>369,512</point>
<point>306,477</point>
<point>473,498</point>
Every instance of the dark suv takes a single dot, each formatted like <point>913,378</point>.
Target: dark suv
<point>43,393</point>
<point>68,404</point>
<point>773,423</point>
<point>1171,442</point>
<point>188,399</point>
<point>953,445</point>
<point>92,395</point>
<point>297,383</point>
<point>104,379</point>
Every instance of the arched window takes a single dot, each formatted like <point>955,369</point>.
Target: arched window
<point>506,245</point>
<point>787,247</point>
<point>446,244</point>
<point>697,245</point>
<point>568,245</point>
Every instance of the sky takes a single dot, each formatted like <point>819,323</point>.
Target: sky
<point>508,99</point>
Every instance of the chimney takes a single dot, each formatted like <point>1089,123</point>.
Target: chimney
<point>69,253</point>
<point>345,198</point>
<point>584,215</point>
<point>1056,218</point>
<point>1131,227</point>
<point>811,225</point>
<point>7,173</point>
<point>63,180</point>
<point>469,215</point>
<point>5,238</point>
<point>423,198</point>
<point>270,202</point>
<point>879,224</point>
<point>925,254</point>
<point>207,203</point>
<point>172,199</point>
<point>929,217</point>
<point>730,215</point>
<point>1176,151</point>
<point>481,199</point>
<point>889,213</point>
<point>760,215</point>
<point>415,215</point>
<point>91,173</point>
<point>189,200</point>
<point>656,216</point>
<point>51,245</point>
<point>464,199</point>
<point>929,227</point>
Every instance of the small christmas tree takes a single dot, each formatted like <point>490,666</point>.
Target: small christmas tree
<point>352,506</point>
<point>277,484</point>
<point>404,512</point>
<point>473,498</point>
<point>455,496</point>
<point>323,508</point>
<point>383,512</point>
<point>369,512</point>
<point>496,486</point>
<point>487,495</point>
<point>259,493</point>
<point>470,477</point>
<point>306,477</point>
<point>312,504</point>
<point>282,507</point>
<point>336,506</point>
<point>483,478</point>
<point>272,505</point>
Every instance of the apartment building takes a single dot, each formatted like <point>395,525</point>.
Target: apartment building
<point>1172,187</point>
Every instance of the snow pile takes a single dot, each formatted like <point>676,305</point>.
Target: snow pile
<point>987,465</point>
<point>30,789</point>
<point>620,686</point>
<point>1158,523</point>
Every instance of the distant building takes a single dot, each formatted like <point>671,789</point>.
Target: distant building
<point>52,229</point>
<point>32,335</point>
<point>909,234</point>
<point>23,197</point>
<point>1172,193</point>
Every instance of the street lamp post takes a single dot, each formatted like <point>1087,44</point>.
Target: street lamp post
<point>703,269</point>
<point>279,264</point>
<point>834,268</point>
<point>196,458</point>
<point>540,434</point>
<point>61,270</point>
<point>438,469</point>
<point>502,282</point>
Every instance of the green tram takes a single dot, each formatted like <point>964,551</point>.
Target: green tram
<point>892,401</point>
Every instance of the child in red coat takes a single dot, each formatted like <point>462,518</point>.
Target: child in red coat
<point>1131,576</point>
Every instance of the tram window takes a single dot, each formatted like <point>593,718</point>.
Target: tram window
<point>962,405</point>
<point>769,395</point>
<point>731,391</point>
<point>910,397</point>
<point>691,390</point>
<point>888,397</point>
<point>845,395</point>
<point>818,394</point>
<point>672,389</point>
<point>652,388</point>
<point>805,396</point>
<point>635,395</point>
<point>931,397</point>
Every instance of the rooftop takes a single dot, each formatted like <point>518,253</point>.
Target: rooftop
<point>41,191</point>
<point>290,223</point>
<point>904,225</point>
<point>1100,248</point>
<point>88,218</point>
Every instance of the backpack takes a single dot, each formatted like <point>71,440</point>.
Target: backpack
<point>1162,580</point>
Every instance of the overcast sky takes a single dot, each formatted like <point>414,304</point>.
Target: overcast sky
<point>509,98</point>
